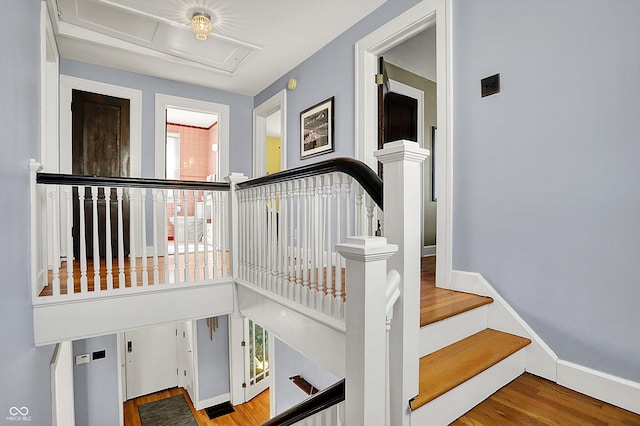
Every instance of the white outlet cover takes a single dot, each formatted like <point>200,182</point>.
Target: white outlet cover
<point>82,359</point>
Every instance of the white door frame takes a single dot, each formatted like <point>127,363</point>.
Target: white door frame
<point>222,111</point>
<point>260,114</point>
<point>403,27</point>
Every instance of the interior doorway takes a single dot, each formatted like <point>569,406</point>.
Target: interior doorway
<point>270,135</point>
<point>257,371</point>
<point>426,14</point>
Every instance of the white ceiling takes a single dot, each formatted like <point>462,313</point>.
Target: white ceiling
<point>191,118</point>
<point>253,42</point>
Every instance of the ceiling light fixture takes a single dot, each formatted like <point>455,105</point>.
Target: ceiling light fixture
<point>201,25</point>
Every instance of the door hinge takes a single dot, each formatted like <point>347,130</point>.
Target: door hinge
<point>379,79</point>
<point>177,372</point>
<point>185,373</point>
<point>243,343</point>
<point>244,385</point>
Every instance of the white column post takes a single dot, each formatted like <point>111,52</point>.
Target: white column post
<point>236,321</point>
<point>402,205</point>
<point>366,328</point>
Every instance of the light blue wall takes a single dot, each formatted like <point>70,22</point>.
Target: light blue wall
<point>24,369</point>
<point>95,384</point>
<point>546,173</point>
<point>213,359</point>
<point>241,109</point>
<point>329,72</point>
<point>289,363</point>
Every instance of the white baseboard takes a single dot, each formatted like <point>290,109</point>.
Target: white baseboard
<point>605,387</point>
<point>201,405</point>
<point>540,359</point>
<point>428,251</point>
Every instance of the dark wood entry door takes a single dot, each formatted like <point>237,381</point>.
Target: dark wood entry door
<point>100,148</point>
<point>397,114</point>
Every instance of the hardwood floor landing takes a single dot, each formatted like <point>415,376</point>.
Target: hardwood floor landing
<point>531,400</point>
<point>437,304</point>
<point>254,412</point>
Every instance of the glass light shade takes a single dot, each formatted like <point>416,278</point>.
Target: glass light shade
<point>201,25</point>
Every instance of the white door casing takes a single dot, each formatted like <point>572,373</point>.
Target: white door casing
<point>413,21</point>
<point>260,114</point>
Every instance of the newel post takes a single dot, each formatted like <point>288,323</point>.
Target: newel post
<point>365,328</point>
<point>402,206</point>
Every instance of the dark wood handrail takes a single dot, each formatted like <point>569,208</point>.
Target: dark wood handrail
<point>127,182</point>
<point>322,400</point>
<point>362,173</point>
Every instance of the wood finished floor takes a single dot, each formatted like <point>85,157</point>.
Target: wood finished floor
<point>436,303</point>
<point>531,400</point>
<point>254,412</point>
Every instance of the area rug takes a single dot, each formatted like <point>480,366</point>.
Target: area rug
<point>172,411</point>
<point>219,410</point>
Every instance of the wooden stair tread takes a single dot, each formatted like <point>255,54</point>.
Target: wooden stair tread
<point>451,366</point>
<point>437,304</point>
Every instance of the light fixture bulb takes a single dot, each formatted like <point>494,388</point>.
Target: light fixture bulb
<point>201,25</point>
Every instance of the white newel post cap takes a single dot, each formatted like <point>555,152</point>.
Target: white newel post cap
<point>400,151</point>
<point>366,249</point>
<point>236,177</point>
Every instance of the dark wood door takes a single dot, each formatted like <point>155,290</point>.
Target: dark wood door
<point>100,148</point>
<point>397,114</point>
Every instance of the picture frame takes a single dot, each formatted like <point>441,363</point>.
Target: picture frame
<point>316,129</point>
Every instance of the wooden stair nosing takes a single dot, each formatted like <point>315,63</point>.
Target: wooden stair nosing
<point>452,365</point>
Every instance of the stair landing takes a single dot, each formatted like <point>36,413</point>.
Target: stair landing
<point>436,303</point>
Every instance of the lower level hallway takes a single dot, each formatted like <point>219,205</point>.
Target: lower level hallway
<point>254,412</point>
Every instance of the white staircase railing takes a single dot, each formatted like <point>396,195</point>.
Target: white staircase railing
<point>107,236</point>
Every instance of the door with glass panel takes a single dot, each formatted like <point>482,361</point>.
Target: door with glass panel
<point>257,377</point>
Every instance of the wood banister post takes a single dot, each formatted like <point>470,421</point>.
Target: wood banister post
<point>366,328</point>
<point>402,206</point>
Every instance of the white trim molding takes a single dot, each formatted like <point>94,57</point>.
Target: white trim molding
<point>222,111</point>
<point>415,20</point>
<point>277,102</point>
<point>540,358</point>
<point>605,387</point>
<point>205,403</point>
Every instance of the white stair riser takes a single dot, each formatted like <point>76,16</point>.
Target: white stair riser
<point>450,330</point>
<point>453,404</point>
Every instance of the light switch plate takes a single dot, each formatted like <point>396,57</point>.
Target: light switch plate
<point>82,359</point>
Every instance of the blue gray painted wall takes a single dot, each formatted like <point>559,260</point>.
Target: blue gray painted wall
<point>213,359</point>
<point>24,369</point>
<point>289,363</point>
<point>95,384</point>
<point>546,199</point>
<point>240,107</point>
<point>544,172</point>
<point>329,72</point>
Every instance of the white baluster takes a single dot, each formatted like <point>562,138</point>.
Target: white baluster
<point>329,250</point>
<point>298,240</point>
<point>347,188</point>
<point>359,208</point>
<point>133,198</point>
<point>196,253</point>
<point>177,195</point>
<point>305,195</point>
<point>55,264</point>
<point>185,240</point>
<point>121,248</point>
<point>224,235</point>
<point>205,237</point>
<point>291,256</point>
<point>215,237</point>
<point>338,186</point>
<point>282,238</point>
<point>143,229</point>
<point>84,287</point>
<point>315,240</point>
<point>370,222</point>
<point>107,238</point>
<point>244,234</point>
<point>96,239</point>
<point>165,235</point>
<point>156,272</point>
<point>69,238</point>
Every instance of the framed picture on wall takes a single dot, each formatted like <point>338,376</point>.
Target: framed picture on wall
<point>316,129</point>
